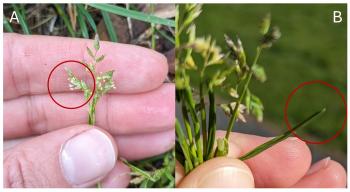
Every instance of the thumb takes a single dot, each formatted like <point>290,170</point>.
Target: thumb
<point>77,156</point>
<point>219,172</point>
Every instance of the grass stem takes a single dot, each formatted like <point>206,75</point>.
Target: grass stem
<point>280,138</point>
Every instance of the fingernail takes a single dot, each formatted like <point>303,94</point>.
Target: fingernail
<point>319,166</point>
<point>87,157</point>
<point>227,177</point>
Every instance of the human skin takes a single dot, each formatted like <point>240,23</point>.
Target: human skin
<point>287,164</point>
<point>137,117</point>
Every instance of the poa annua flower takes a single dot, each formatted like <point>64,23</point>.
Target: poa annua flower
<point>104,81</point>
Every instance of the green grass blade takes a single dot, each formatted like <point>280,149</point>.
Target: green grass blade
<point>183,143</point>
<point>109,26</point>
<point>153,36</point>
<point>134,14</point>
<point>82,24</point>
<point>66,21</point>
<point>280,138</point>
<point>87,16</point>
<point>21,18</point>
<point>7,25</point>
<point>166,36</point>
<point>135,169</point>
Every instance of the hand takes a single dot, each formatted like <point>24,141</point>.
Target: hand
<point>135,121</point>
<point>286,164</point>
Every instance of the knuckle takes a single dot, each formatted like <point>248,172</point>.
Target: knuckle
<point>17,170</point>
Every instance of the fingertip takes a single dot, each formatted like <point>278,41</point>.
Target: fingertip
<point>119,177</point>
<point>325,173</point>
<point>138,69</point>
<point>337,174</point>
<point>179,172</point>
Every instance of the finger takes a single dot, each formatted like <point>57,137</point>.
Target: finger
<point>280,166</point>
<point>119,114</point>
<point>28,61</point>
<point>119,177</point>
<point>324,174</point>
<point>76,156</point>
<point>145,145</point>
<point>179,173</point>
<point>219,172</point>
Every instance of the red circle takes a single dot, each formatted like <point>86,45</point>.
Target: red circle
<point>310,83</point>
<point>48,84</point>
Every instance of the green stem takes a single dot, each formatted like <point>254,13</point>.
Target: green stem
<point>235,111</point>
<point>212,124</point>
<point>280,138</point>
<point>153,37</point>
<point>183,143</point>
<point>186,121</point>
<point>195,121</point>
<point>92,111</point>
<point>203,117</point>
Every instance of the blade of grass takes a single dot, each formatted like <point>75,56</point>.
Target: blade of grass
<point>195,122</point>
<point>133,168</point>
<point>134,14</point>
<point>82,24</point>
<point>153,36</point>
<point>87,16</point>
<point>66,21</point>
<point>183,143</point>
<point>109,26</point>
<point>280,138</point>
<point>21,18</point>
<point>166,36</point>
<point>7,25</point>
<point>212,125</point>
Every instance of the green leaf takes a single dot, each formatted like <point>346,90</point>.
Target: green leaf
<point>257,108</point>
<point>133,168</point>
<point>99,59</point>
<point>109,25</point>
<point>88,17</point>
<point>280,138</point>
<point>265,24</point>
<point>90,52</point>
<point>97,43</point>
<point>169,38</point>
<point>66,21</point>
<point>259,73</point>
<point>82,24</point>
<point>7,25</point>
<point>247,100</point>
<point>133,14</point>
<point>222,147</point>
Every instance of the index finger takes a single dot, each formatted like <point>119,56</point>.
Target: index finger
<point>28,61</point>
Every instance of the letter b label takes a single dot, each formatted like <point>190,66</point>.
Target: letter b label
<point>337,17</point>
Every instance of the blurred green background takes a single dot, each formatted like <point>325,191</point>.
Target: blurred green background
<point>311,47</point>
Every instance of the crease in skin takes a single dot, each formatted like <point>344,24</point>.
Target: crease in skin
<point>138,113</point>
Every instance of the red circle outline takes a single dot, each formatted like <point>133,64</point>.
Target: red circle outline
<point>48,84</point>
<point>328,85</point>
